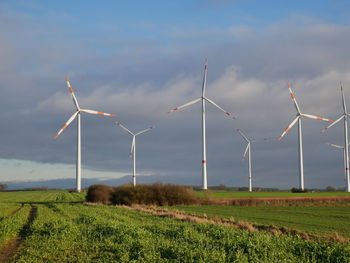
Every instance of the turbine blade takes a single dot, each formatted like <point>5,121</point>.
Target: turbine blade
<point>70,89</point>
<point>335,145</point>
<point>217,106</point>
<point>333,123</point>
<point>289,127</point>
<point>204,84</point>
<point>245,152</point>
<point>242,134</point>
<point>98,112</point>
<point>293,98</point>
<point>145,130</point>
<point>316,117</point>
<point>343,97</point>
<point>66,124</point>
<point>185,105</point>
<point>124,128</point>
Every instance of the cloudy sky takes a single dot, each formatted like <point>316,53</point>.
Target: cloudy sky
<point>139,59</point>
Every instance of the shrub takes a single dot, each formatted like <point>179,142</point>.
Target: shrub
<point>154,194</point>
<point>99,193</point>
<point>298,190</point>
<point>330,189</point>
<point>3,187</point>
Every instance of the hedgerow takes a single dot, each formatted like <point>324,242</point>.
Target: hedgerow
<point>99,193</point>
<point>154,194</point>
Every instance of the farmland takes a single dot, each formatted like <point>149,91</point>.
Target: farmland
<point>55,226</point>
<point>231,194</point>
<point>321,220</point>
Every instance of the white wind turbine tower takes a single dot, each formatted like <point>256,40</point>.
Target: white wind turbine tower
<point>133,147</point>
<point>298,119</point>
<point>346,141</point>
<point>203,99</point>
<point>248,149</point>
<point>77,115</point>
<point>344,156</point>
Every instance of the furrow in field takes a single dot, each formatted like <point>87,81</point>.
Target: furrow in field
<point>11,247</point>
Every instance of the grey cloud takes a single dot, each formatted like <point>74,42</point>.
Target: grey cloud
<point>247,75</point>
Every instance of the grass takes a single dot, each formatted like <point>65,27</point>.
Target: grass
<point>52,196</point>
<point>313,219</point>
<point>6,209</point>
<point>78,233</point>
<point>12,223</point>
<point>65,230</point>
<point>231,194</point>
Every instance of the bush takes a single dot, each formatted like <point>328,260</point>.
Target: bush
<point>154,194</point>
<point>330,189</point>
<point>3,187</point>
<point>298,190</point>
<point>220,187</point>
<point>99,193</point>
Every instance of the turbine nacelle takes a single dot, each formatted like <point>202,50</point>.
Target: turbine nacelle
<point>132,153</point>
<point>203,99</point>
<point>346,140</point>
<point>299,115</point>
<point>290,126</point>
<point>344,115</point>
<point>79,110</point>
<point>77,115</point>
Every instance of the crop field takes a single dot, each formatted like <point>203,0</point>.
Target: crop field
<point>55,226</point>
<point>239,194</point>
<point>321,220</point>
<point>53,196</point>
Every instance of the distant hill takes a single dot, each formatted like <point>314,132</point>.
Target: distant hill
<point>86,182</point>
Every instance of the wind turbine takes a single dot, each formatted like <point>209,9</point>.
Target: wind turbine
<point>133,147</point>
<point>77,115</point>
<point>346,143</point>
<point>248,149</point>
<point>298,119</point>
<point>203,99</point>
<point>344,156</point>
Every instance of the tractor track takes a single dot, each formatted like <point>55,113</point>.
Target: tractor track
<point>10,249</point>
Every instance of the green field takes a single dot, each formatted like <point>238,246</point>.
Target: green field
<point>53,196</point>
<point>313,219</point>
<point>56,227</point>
<point>231,194</point>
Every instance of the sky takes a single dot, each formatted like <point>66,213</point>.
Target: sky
<point>140,59</point>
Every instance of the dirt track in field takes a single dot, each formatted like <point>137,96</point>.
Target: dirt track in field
<point>10,249</point>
